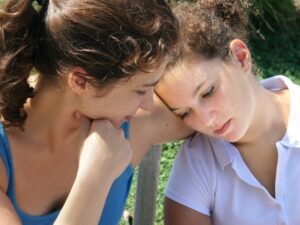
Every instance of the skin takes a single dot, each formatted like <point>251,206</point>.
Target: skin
<point>87,147</point>
<point>224,99</point>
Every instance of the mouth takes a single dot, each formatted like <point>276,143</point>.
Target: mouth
<point>222,130</point>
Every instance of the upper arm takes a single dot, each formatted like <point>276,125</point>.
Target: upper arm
<point>157,126</point>
<point>177,214</point>
<point>192,181</point>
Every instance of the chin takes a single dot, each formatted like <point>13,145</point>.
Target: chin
<point>234,137</point>
<point>226,138</point>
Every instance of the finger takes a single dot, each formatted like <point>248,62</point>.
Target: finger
<point>107,128</point>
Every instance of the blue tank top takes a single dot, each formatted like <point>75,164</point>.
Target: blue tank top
<point>115,201</point>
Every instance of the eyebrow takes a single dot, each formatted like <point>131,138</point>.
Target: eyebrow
<point>151,84</point>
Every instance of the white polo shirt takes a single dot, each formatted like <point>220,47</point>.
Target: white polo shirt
<point>210,176</point>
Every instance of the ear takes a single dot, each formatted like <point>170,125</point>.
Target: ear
<point>76,80</point>
<point>241,54</point>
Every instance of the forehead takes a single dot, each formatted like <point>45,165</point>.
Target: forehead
<point>191,71</point>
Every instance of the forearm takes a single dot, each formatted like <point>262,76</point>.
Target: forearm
<point>85,202</point>
<point>155,127</point>
<point>104,156</point>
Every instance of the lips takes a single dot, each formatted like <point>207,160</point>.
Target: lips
<point>222,130</point>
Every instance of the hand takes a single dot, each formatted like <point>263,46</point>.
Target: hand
<point>104,156</point>
<point>105,151</point>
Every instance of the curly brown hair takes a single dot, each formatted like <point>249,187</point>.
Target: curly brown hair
<point>110,40</point>
<point>208,26</point>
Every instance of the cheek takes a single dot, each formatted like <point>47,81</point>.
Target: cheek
<point>195,123</point>
<point>130,104</point>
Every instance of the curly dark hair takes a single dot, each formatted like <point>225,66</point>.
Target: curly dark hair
<point>208,26</point>
<point>109,39</point>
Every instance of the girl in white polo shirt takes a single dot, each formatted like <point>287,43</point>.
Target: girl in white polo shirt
<point>245,169</point>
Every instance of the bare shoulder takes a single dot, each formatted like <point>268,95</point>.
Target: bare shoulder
<point>178,214</point>
<point>157,126</point>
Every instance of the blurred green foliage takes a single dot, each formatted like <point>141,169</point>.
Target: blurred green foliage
<point>272,14</point>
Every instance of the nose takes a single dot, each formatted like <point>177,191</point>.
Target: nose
<point>206,116</point>
<point>147,102</point>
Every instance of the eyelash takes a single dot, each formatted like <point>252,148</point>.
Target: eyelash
<point>209,93</point>
<point>141,92</point>
<point>184,115</point>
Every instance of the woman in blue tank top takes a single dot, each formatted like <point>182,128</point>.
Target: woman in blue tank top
<point>64,158</point>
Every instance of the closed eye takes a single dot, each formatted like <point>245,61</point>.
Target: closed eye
<point>183,115</point>
<point>141,92</point>
<point>209,92</point>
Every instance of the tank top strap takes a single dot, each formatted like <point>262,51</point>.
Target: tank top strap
<point>5,153</point>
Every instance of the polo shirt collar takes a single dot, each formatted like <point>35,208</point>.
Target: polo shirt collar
<point>222,151</point>
<point>226,154</point>
<point>292,135</point>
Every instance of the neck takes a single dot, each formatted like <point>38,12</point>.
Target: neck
<point>51,119</point>
<point>270,118</point>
